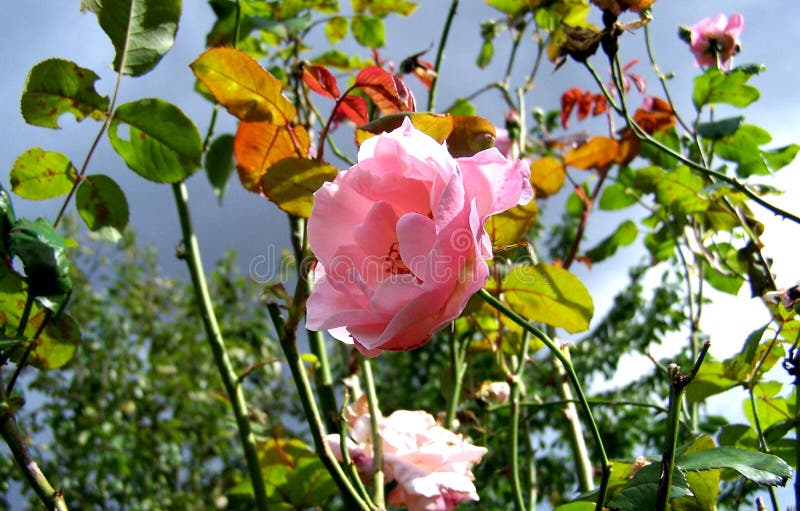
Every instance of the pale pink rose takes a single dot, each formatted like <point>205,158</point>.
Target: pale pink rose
<point>716,40</point>
<point>400,241</point>
<point>431,465</point>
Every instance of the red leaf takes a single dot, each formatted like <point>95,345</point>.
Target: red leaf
<point>388,91</point>
<point>585,105</point>
<point>568,100</point>
<point>600,105</point>
<point>321,81</point>
<point>351,107</point>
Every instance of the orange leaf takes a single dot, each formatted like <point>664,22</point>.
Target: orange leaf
<point>242,86</point>
<point>321,81</point>
<point>547,176</point>
<point>655,115</point>
<point>628,148</point>
<point>388,91</point>
<point>594,154</point>
<point>258,145</point>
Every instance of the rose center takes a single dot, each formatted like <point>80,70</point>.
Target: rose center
<point>394,264</point>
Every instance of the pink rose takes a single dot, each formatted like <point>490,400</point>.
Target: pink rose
<point>400,241</point>
<point>431,465</point>
<point>716,40</point>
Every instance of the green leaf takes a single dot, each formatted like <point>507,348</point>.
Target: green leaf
<point>336,29</point>
<point>57,344</point>
<point>294,475</point>
<point>742,147</point>
<point>624,235</point>
<point>616,196</point>
<point>461,107</point>
<point>641,491</point>
<point>381,8</point>
<point>577,506</point>
<point>38,174</point>
<point>101,203</point>
<point>291,183</point>
<point>341,60</point>
<point>657,156</point>
<point>756,466</point>
<point>142,31</point>
<point>778,158</point>
<point>368,31</point>
<point>219,164</point>
<point>752,342</point>
<point>710,380</point>
<point>703,485</point>
<point>549,294</point>
<point>57,86</point>
<point>163,143</point>
<point>485,54</point>
<point>715,86</point>
<point>726,272</point>
<point>43,254</point>
<point>508,6</point>
<point>7,220</point>
<point>716,130</point>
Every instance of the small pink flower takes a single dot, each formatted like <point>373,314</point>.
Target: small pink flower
<point>400,241</point>
<point>716,40</point>
<point>431,465</point>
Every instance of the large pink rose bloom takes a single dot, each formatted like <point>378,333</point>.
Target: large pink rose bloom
<point>431,465</point>
<point>717,38</point>
<point>400,241</point>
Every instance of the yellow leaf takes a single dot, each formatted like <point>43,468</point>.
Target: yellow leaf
<point>594,154</point>
<point>547,176</point>
<point>291,183</point>
<point>438,126</point>
<point>258,145</point>
<point>242,86</point>
<point>510,227</point>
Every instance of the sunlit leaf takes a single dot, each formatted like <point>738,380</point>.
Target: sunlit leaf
<point>101,203</point>
<point>38,174</point>
<point>259,145</point>
<point>220,164</point>
<point>470,135</point>
<point>485,54</point>
<point>715,86</point>
<point>13,295</point>
<point>616,196</point>
<point>336,29</point>
<point>7,220</point>
<point>339,59</point>
<point>728,278</point>
<point>368,31</point>
<point>321,81</point>
<point>142,31</point>
<point>508,6</point>
<point>242,86</point>
<point>437,126</point>
<point>549,294</point>
<point>678,189</point>
<point>294,475</point>
<point>353,108</point>
<point>291,183</point>
<point>512,226</point>
<point>43,254</point>
<point>597,153</point>
<point>709,381</point>
<point>704,485</point>
<point>756,466</point>
<point>778,158</point>
<point>163,144</point>
<point>57,86</point>
<point>461,107</point>
<point>386,90</point>
<point>624,235</point>
<point>57,344</point>
<point>381,8</point>
<point>547,176</point>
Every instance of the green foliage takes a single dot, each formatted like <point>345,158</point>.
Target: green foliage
<point>756,466</point>
<point>43,254</point>
<point>101,203</point>
<point>219,164</point>
<point>368,31</point>
<point>715,86</point>
<point>142,31</point>
<point>163,144</point>
<point>57,86</point>
<point>38,174</point>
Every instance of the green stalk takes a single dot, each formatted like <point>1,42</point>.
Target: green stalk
<point>440,54</point>
<point>573,377</point>
<point>678,383</point>
<point>377,441</point>
<point>459,369</point>
<point>288,341</point>
<point>515,390</point>
<point>217,343</point>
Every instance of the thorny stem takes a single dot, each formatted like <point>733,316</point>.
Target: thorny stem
<point>377,440</point>
<point>678,383</point>
<point>217,344</point>
<point>440,55</point>
<point>573,377</point>
<point>515,387</point>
